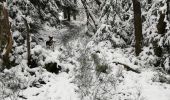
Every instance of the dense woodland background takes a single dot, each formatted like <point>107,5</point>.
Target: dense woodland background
<point>85,49</point>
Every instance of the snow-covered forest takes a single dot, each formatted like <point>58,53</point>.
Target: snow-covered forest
<point>84,49</point>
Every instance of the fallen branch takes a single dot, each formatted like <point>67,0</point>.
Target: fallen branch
<point>128,68</point>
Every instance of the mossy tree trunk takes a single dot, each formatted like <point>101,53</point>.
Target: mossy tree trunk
<point>137,26</point>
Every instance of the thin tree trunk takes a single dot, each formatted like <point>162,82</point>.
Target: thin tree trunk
<point>28,43</point>
<point>68,15</point>
<point>65,13</point>
<point>168,10</point>
<point>89,13</point>
<point>168,18</point>
<point>1,15</point>
<point>74,15</point>
<point>137,26</point>
<point>161,27</point>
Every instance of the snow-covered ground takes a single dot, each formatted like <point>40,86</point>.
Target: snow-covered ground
<point>72,41</point>
<point>59,87</point>
<point>142,87</point>
<point>134,86</point>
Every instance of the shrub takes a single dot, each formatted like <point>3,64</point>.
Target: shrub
<point>10,85</point>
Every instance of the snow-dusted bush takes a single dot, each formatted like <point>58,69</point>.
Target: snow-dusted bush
<point>105,32</point>
<point>94,75</point>
<point>116,26</point>
<point>152,12</point>
<point>84,76</point>
<point>38,12</point>
<point>10,85</point>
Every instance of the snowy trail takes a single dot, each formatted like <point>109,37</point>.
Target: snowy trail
<point>59,87</point>
<point>63,36</point>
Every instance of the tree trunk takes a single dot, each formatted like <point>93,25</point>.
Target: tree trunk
<point>168,18</point>
<point>1,8</point>
<point>89,14</point>
<point>28,43</point>
<point>68,14</point>
<point>161,26</point>
<point>168,10</point>
<point>5,28</point>
<point>137,26</point>
<point>65,13</point>
<point>74,15</point>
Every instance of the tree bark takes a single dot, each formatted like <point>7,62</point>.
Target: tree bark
<point>74,15</point>
<point>161,26</point>
<point>137,26</point>
<point>65,13</point>
<point>28,43</point>
<point>5,28</point>
<point>89,14</point>
<point>168,10</point>
<point>68,15</point>
<point>1,14</point>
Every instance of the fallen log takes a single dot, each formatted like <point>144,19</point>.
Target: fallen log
<point>128,68</point>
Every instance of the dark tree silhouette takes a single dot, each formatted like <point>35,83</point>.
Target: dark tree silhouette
<point>2,0</point>
<point>137,26</point>
<point>168,10</point>
<point>74,15</point>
